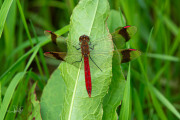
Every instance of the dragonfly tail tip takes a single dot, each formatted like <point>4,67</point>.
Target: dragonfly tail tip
<point>89,95</point>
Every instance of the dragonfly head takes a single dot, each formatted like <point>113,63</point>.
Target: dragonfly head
<point>84,38</point>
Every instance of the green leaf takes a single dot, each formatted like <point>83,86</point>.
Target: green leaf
<point>88,18</point>
<point>35,111</point>
<point>125,108</point>
<point>3,13</point>
<point>53,97</point>
<point>9,94</point>
<point>114,20</point>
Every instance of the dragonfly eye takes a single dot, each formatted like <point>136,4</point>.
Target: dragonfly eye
<point>80,38</point>
<point>87,38</point>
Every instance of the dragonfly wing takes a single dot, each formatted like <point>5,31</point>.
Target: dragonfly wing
<point>72,58</point>
<point>123,35</point>
<point>125,55</point>
<point>51,36</point>
<point>59,41</point>
<point>129,54</point>
<point>56,55</point>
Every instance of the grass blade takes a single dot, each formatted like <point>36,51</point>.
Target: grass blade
<point>0,95</point>
<point>137,105</point>
<point>157,106</point>
<point>28,34</point>
<point>165,102</point>
<point>19,61</point>
<point>9,94</point>
<point>40,52</point>
<point>150,37</point>
<point>3,13</point>
<point>163,57</point>
<point>125,108</point>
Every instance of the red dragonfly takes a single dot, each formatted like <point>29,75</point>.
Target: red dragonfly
<point>120,36</point>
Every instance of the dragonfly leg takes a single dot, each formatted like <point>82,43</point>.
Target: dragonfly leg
<point>92,48</point>
<point>78,61</point>
<point>94,63</point>
<point>76,48</point>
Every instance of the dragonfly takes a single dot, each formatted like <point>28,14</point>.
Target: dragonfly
<point>120,36</point>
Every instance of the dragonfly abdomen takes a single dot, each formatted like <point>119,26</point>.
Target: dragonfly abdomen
<point>87,75</point>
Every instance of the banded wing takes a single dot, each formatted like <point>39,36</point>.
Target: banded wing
<point>119,37</point>
<point>51,36</point>
<point>59,41</point>
<point>129,55</point>
<point>123,35</point>
<point>56,55</point>
<point>125,54</point>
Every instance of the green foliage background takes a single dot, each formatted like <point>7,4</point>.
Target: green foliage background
<point>153,80</point>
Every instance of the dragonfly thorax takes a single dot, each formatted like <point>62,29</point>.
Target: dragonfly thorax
<point>84,39</point>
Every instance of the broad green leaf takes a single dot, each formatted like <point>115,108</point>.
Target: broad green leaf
<point>125,108</point>
<point>53,97</point>
<point>9,94</point>
<point>3,13</point>
<point>35,111</point>
<point>114,20</point>
<point>88,18</point>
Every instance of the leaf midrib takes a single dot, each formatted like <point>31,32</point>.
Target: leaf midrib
<point>75,87</point>
<point>94,17</point>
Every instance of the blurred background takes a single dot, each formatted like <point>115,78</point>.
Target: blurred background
<point>158,37</point>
